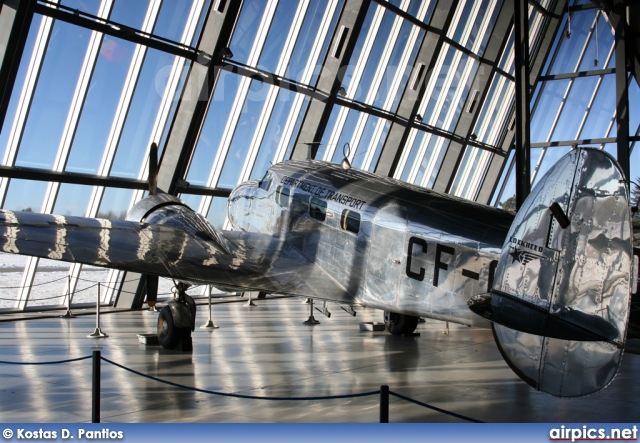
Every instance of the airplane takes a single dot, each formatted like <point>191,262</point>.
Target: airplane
<point>554,282</point>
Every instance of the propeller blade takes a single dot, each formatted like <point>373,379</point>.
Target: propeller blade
<point>152,290</point>
<point>153,169</point>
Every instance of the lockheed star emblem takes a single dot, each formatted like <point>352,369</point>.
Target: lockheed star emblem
<point>523,257</point>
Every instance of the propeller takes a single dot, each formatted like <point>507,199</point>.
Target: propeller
<point>153,169</point>
<point>152,281</point>
<point>152,290</point>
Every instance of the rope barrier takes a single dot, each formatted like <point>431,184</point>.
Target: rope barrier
<point>44,298</point>
<point>104,284</point>
<point>78,279</point>
<point>226,394</point>
<point>383,411</point>
<point>453,414</point>
<point>37,284</point>
<point>44,362</point>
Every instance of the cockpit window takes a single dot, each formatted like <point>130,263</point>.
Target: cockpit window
<point>265,183</point>
<point>350,221</point>
<point>318,209</point>
<point>282,196</point>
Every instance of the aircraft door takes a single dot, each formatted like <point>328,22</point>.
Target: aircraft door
<point>386,255</point>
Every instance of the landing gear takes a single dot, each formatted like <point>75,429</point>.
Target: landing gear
<point>399,324</point>
<point>177,320</point>
<point>168,335</point>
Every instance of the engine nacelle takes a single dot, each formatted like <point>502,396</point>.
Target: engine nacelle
<point>141,210</point>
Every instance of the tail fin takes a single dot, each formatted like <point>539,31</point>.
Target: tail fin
<point>560,299</point>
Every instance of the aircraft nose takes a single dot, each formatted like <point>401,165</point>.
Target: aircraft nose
<point>238,200</point>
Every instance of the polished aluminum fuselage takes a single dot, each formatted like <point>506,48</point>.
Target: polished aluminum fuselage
<point>373,241</point>
<point>562,268</point>
<point>309,228</point>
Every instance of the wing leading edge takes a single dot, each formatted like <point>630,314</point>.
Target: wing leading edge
<point>121,244</point>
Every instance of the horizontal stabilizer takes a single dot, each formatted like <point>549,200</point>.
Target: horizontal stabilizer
<point>566,324</point>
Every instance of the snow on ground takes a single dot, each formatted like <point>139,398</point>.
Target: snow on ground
<point>49,284</point>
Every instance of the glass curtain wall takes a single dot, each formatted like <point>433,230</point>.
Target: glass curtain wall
<point>90,103</point>
<point>85,102</point>
<point>574,102</point>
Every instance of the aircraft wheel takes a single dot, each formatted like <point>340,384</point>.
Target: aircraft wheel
<point>168,334</point>
<point>398,324</point>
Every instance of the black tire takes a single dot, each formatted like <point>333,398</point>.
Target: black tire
<point>168,335</point>
<point>398,324</point>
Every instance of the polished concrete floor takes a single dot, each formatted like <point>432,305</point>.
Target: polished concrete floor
<point>266,350</point>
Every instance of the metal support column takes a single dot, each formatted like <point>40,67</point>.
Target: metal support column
<point>415,90</point>
<point>202,79</point>
<point>468,119</point>
<point>622,87</point>
<point>551,27</point>
<point>523,115</point>
<point>334,68</point>
<point>15,21</point>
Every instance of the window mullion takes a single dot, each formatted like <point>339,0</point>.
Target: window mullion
<point>307,75</point>
<point>26,97</point>
<point>272,94</point>
<point>169,94</point>
<point>377,80</point>
<point>355,81</point>
<point>238,104</point>
<point>395,85</point>
<point>116,130</point>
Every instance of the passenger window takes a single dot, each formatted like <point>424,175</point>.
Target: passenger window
<point>318,209</point>
<point>265,183</point>
<point>282,196</point>
<point>350,221</point>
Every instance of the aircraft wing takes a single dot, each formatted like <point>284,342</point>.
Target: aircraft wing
<point>178,243</point>
<point>127,245</point>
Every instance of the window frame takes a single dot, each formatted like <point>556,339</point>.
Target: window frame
<point>348,221</point>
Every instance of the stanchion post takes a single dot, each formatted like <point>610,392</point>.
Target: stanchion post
<point>384,404</point>
<point>68,314</point>
<point>311,320</point>
<point>250,302</point>
<point>95,391</point>
<point>98,332</point>
<point>209,324</point>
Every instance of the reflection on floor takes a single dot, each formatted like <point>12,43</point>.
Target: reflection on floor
<point>266,350</point>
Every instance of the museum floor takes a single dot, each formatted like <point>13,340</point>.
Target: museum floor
<point>267,351</point>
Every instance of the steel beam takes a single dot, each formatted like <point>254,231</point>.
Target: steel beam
<point>547,36</point>
<point>60,12</point>
<point>622,86</point>
<point>633,39</point>
<point>48,175</point>
<point>189,118</point>
<point>523,116</point>
<point>196,95</point>
<point>416,88</point>
<point>482,82</point>
<point>334,67</point>
<point>628,12</point>
<point>15,21</point>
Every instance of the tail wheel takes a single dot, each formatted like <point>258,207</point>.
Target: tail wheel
<point>168,334</point>
<point>398,324</point>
